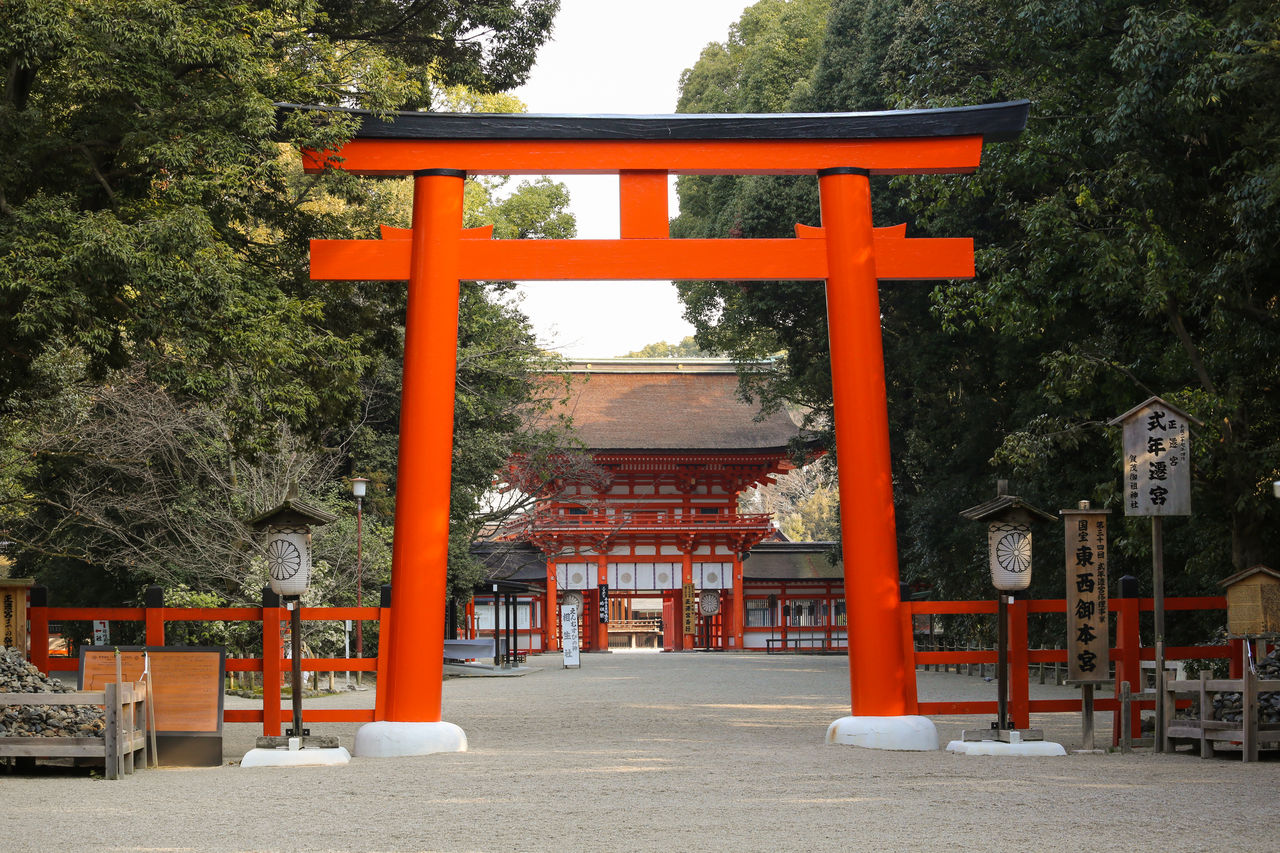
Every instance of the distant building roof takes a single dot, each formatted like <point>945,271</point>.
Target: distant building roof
<point>791,561</point>
<point>669,404</point>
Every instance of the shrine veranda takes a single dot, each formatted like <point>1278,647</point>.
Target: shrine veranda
<point>845,251</point>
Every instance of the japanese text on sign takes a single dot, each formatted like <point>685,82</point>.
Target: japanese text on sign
<point>1157,461</point>
<point>1088,638</point>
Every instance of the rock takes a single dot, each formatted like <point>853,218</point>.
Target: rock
<point>18,676</point>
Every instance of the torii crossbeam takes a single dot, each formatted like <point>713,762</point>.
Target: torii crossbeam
<point>842,149</point>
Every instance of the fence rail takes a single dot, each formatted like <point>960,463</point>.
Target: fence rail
<point>1127,655</point>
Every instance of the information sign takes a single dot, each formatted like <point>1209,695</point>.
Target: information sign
<point>569,634</point>
<point>1157,459</point>
<point>604,603</point>
<point>188,697</point>
<point>690,609</point>
<point>1088,638</point>
<point>101,632</point>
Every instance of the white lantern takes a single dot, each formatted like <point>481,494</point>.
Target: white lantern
<point>1009,546</point>
<point>289,560</point>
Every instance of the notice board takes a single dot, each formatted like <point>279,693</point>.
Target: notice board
<point>187,682</point>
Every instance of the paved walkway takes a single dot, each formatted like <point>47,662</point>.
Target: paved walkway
<point>685,752</point>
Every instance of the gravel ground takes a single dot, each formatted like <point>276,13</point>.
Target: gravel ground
<point>672,752</point>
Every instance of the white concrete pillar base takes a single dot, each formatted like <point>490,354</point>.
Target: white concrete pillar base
<point>995,747</point>
<point>310,757</point>
<point>910,732</point>
<point>388,739</point>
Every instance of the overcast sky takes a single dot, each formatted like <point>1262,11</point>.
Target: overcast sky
<point>610,56</point>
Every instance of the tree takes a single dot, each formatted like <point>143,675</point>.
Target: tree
<point>687,348</point>
<point>1121,247</point>
<point>153,228</point>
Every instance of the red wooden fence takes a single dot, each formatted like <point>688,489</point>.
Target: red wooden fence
<point>1127,653</point>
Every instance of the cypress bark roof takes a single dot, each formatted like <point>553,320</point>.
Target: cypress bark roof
<point>669,404</point>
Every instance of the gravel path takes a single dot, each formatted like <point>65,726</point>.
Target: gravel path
<point>674,752</point>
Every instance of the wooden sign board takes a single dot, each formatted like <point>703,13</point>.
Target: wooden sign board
<point>1157,459</point>
<point>569,635</point>
<point>187,682</point>
<point>13,613</point>
<point>690,609</point>
<point>1088,637</point>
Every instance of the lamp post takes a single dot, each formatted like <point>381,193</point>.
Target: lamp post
<point>1008,520</point>
<point>288,553</point>
<point>358,487</point>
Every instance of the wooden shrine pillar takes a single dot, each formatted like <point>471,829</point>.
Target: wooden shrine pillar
<point>602,626</point>
<point>420,549</point>
<point>738,607</point>
<point>877,661</point>
<point>551,615</point>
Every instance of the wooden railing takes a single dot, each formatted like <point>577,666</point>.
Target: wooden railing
<point>1127,655</point>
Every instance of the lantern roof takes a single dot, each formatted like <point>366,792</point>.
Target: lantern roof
<point>292,512</point>
<point>1004,506</point>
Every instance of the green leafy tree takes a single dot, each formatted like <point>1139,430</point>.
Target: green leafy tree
<point>687,348</point>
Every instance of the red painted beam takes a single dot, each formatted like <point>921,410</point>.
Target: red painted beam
<point>401,157</point>
<point>642,259</point>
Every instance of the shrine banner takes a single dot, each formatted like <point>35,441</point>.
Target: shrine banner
<point>569,634</point>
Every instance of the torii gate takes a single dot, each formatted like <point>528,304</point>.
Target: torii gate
<point>842,149</point>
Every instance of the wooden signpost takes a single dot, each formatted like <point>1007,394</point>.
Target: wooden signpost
<point>1157,482</point>
<point>1088,635</point>
<point>569,635</point>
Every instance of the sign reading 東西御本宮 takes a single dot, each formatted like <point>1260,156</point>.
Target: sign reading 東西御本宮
<point>1088,638</point>
<point>1157,459</point>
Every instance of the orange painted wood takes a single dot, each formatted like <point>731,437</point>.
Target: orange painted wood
<point>639,259</point>
<point>643,204</point>
<point>878,673</point>
<point>154,620</point>
<point>88,614</point>
<point>1019,672</point>
<point>402,157</point>
<point>420,549</point>
<point>272,660</point>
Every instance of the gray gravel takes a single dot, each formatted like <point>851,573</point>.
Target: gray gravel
<point>673,752</point>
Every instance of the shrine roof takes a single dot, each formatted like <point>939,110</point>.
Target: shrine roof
<point>669,404</point>
<point>994,122</point>
<point>791,561</point>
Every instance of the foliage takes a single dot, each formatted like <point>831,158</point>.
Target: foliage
<point>168,366</point>
<point>687,348</point>
<point>1123,247</point>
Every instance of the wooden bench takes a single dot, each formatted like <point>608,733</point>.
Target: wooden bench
<point>124,735</point>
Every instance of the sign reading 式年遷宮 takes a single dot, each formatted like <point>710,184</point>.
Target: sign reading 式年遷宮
<point>1157,459</point>
<point>1088,638</point>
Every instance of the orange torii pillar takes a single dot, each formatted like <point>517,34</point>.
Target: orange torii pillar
<point>846,252</point>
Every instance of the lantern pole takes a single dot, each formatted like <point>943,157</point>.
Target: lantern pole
<point>294,603</point>
<point>1002,684</point>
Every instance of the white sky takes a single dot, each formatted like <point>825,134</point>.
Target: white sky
<point>611,56</point>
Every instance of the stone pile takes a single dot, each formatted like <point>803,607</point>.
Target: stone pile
<point>18,676</point>
<point>1229,707</point>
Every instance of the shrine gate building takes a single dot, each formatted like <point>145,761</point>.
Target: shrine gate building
<point>677,447</point>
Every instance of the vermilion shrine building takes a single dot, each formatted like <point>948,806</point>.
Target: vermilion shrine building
<point>679,446</point>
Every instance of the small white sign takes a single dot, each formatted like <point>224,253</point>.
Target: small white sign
<point>569,634</point>
<point>101,632</point>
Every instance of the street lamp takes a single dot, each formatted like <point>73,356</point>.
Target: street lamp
<point>358,487</point>
<point>1008,519</point>
<point>288,552</point>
